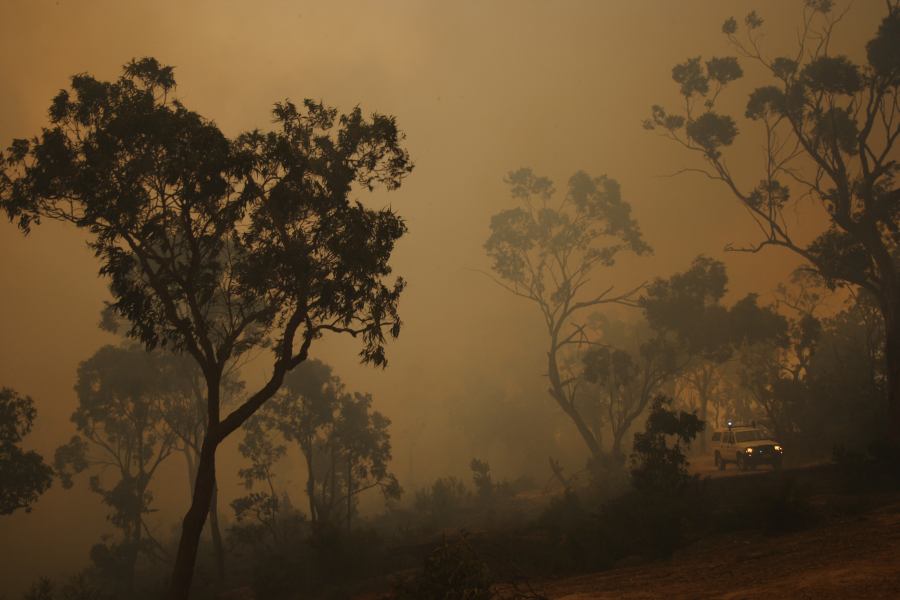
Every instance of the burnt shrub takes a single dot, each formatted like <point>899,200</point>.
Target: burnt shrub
<point>452,571</point>
<point>576,540</point>
<point>456,570</point>
<point>649,520</point>
<point>440,505</point>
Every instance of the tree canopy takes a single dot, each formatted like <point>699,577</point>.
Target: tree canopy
<point>23,474</point>
<point>829,129</point>
<point>213,245</point>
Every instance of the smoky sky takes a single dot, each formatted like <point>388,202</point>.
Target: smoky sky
<point>479,88</point>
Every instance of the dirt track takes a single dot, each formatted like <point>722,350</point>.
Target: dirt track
<point>854,557</point>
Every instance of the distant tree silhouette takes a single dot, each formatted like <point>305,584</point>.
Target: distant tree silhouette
<point>547,250</point>
<point>626,378</point>
<point>440,501</point>
<point>825,388</point>
<point>259,512</point>
<point>216,246</point>
<point>481,476</point>
<point>183,408</point>
<point>363,445</point>
<point>23,474</point>
<point>345,444</point>
<point>772,372</point>
<point>687,310</point>
<point>829,132</point>
<point>121,431</point>
<point>303,412</point>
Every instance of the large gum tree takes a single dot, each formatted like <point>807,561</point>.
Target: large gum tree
<point>828,129</point>
<point>549,250</point>
<point>215,246</point>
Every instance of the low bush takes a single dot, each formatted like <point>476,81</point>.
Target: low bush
<point>454,570</point>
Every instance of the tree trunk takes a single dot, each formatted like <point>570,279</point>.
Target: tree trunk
<point>310,483</point>
<point>704,412</point>
<point>332,500</point>
<point>704,385</point>
<point>349,490</point>
<point>216,533</point>
<point>892,370</point>
<point>568,404</point>
<point>134,543</point>
<point>586,434</point>
<point>192,525</point>
<point>191,468</point>
<point>616,450</point>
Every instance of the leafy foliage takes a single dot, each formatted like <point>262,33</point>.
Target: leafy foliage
<point>656,466</point>
<point>832,111</point>
<point>23,474</point>
<point>271,230</point>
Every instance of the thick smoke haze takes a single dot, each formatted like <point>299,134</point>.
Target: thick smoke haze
<point>479,89</point>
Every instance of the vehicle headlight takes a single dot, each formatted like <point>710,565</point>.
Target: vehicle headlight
<point>748,450</point>
<point>778,448</point>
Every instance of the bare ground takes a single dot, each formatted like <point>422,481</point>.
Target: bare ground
<point>850,557</point>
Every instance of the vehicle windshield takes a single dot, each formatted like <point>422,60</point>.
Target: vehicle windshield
<point>749,436</point>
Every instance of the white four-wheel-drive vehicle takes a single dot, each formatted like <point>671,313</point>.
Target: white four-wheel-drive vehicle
<point>745,446</point>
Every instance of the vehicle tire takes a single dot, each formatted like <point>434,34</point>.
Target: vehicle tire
<point>741,463</point>
<point>720,464</point>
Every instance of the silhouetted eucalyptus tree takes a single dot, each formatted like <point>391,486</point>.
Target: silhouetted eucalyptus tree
<point>120,430</point>
<point>184,412</point>
<point>23,474</point>
<point>829,130</point>
<point>217,246</point>
<point>547,250</point>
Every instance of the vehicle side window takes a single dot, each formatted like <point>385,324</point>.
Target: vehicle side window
<point>717,436</point>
